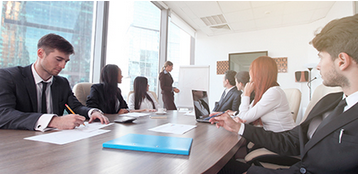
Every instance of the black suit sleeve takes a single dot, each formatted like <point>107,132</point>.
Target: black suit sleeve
<point>62,94</point>
<point>284,143</point>
<point>93,99</point>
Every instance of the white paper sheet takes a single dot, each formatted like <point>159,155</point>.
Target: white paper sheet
<point>190,113</point>
<point>173,128</point>
<point>136,114</point>
<point>68,136</point>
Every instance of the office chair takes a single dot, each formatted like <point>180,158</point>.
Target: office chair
<point>294,100</point>
<point>81,91</point>
<point>268,159</point>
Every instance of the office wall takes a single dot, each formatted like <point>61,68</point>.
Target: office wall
<point>291,42</point>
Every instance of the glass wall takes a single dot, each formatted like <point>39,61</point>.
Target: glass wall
<point>23,23</point>
<point>133,41</point>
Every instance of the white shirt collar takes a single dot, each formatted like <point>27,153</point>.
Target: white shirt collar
<point>351,100</point>
<point>37,77</point>
<point>165,71</point>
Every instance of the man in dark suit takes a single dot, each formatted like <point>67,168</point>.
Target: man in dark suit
<point>34,97</point>
<point>230,98</point>
<point>327,140</point>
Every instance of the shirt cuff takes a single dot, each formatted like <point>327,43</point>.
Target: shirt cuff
<point>242,128</point>
<point>90,112</point>
<point>247,98</point>
<point>43,122</point>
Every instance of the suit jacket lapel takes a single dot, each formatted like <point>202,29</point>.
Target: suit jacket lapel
<point>330,127</point>
<point>328,102</point>
<point>30,86</point>
<point>227,96</point>
<point>55,95</point>
<point>331,102</point>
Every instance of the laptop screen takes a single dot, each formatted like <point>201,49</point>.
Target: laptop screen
<point>201,104</point>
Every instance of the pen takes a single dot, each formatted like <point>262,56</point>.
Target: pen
<point>340,136</point>
<point>214,115</point>
<point>72,112</point>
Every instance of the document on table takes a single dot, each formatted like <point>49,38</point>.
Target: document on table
<point>190,113</point>
<point>68,136</point>
<point>136,114</point>
<point>173,128</point>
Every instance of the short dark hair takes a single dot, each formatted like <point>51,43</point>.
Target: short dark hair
<point>230,75</point>
<point>340,35</point>
<point>52,41</point>
<point>242,77</point>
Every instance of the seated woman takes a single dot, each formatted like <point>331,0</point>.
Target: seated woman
<point>270,105</point>
<point>141,99</point>
<point>106,95</point>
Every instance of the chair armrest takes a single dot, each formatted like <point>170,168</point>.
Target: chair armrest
<point>263,155</point>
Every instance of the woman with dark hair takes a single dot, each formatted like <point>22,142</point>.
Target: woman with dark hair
<point>166,82</point>
<point>106,95</point>
<point>141,99</point>
<point>270,105</point>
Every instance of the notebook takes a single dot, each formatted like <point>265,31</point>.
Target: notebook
<point>201,105</point>
<point>151,143</point>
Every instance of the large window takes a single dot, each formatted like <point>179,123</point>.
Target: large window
<point>23,23</point>
<point>133,41</point>
<point>178,49</point>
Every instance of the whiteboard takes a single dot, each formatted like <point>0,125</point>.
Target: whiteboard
<point>191,77</point>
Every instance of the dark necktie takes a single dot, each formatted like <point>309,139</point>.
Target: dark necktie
<point>337,111</point>
<point>43,100</point>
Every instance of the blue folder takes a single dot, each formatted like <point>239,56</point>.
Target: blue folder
<point>151,143</point>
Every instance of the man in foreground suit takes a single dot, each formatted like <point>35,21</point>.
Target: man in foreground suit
<point>328,145</point>
<point>21,89</point>
<point>230,98</point>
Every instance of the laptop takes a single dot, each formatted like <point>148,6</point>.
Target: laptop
<point>201,105</point>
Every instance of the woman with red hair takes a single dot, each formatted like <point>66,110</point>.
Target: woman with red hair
<point>270,105</point>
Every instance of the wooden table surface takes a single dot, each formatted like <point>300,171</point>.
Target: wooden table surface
<point>210,150</point>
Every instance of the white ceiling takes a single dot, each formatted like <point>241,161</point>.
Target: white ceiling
<point>243,16</point>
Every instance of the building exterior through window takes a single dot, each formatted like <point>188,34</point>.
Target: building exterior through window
<point>23,23</point>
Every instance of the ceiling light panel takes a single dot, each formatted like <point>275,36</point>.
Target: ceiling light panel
<point>214,20</point>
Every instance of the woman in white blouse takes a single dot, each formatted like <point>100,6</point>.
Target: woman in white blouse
<point>270,106</point>
<point>141,99</point>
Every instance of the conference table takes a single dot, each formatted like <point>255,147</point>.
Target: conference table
<point>210,150</point>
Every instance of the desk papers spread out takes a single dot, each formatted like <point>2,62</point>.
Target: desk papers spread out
<point>68,136</point>
<point>173,128</point>
<point>135,114</point>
